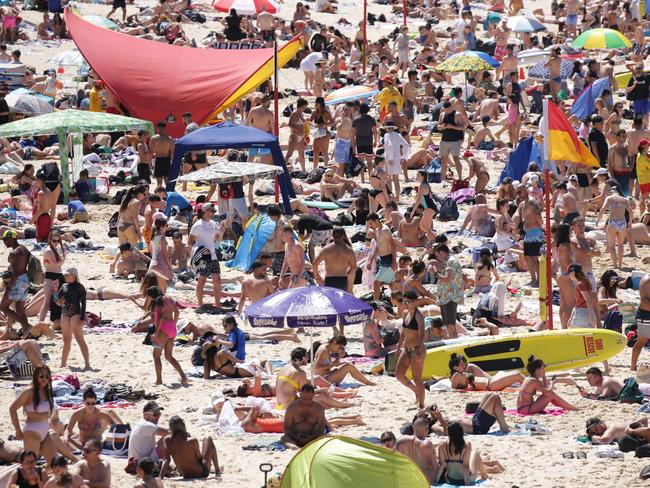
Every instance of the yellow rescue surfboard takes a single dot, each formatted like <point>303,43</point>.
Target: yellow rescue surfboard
<point>559,349</point>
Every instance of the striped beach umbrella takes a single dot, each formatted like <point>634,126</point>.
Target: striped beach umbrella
<point>522,23</point>
<point>348,93</point>
<point>468,61</point>
<point>247,7</point>
<point>601,39</point>
<point>541,72</point>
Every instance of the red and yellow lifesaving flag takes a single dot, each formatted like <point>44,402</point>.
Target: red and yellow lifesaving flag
<point>563,142</point>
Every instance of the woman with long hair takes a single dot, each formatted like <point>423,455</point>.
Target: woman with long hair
<point>577,78</point>
<point>469,376</point>
<point>322,119</point>
<point>165,315</point>
<point>90,420</point>
<point>53,258</point>
<point>128,220</point>
<point>424,199</point>
<point>536,382</point>
<point>564,282</point>
<point>327,362</point>
<point>585,313</point>
<point>160,261</point>
<point>620,214</point>
<point>26,179</point>
<point>72,300</point>
<point>410,348</point>
<point>37,401</point>
<point>380,192</point>
<point>613,123</point>
<point>27,474</point>
<point>484,271</point>
<point>607,287</point>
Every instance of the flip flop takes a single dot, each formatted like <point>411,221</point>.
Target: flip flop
<point>581,455</point>
<point>568,455</point>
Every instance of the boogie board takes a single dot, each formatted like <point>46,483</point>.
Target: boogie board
<point>559,349</point>
<point>321,205</point>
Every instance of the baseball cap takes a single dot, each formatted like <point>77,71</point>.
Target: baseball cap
<point>9,234</point>
<point>152,406</point>
<point>644,143</point>
<point>601,172</point>
<point>573,177</point>
<point>71,271</point>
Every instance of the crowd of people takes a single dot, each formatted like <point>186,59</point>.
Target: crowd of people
<point>394,238</point>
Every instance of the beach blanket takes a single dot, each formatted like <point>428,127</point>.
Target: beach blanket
<point>553,411</point>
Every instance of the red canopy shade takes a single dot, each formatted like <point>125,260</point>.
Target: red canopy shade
<point>153,80</point>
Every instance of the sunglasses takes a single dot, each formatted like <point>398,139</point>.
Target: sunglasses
<point>90,404</point>
<point>86,451</point>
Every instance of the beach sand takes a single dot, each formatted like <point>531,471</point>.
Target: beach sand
<point>121,358</point>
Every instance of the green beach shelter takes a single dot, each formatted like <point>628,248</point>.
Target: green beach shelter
<point>76,122</point>
<point>342,462</point>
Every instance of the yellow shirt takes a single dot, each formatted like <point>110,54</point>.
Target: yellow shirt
<point>387,95</point>
<point>643,169</point>
<point>95,101</point>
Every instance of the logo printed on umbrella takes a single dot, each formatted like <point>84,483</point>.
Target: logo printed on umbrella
<point>264,322</point>
<point>357,318</point>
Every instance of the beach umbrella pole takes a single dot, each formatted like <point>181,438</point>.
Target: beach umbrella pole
<point>63,158</point>
<point>276,106</point>
<point>311,353</point>
<point>365,35</point>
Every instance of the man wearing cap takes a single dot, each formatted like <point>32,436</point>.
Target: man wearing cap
<point>142,442</point>
<point>618,162</point>
<point>15,57</point>
<point>18,283</point>
<point>163,147</point>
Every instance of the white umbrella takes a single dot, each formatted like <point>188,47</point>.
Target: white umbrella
<point>229,172</point>
<point>521,23</point>
<point>67,58</point>
<point>24,101</point>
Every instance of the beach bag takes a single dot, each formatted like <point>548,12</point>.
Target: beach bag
<point>315,175</point>
<point>354,167</point>
<point>630,443</point>
<point>116,439</point>
<point>391,336</point>
<point>112,224</point>
<point>642,451</point>
<point>51,172</point>
<point>448,210</point>
<point>459,185</point>
<point>628,309</point>
<point>434,171</point>
<point>19,365</point>
<point>613,321</point>
<point>463,195</point>
<point>630,392</point>
<point>35,270</point>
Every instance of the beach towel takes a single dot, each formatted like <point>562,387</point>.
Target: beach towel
<point>476,483</point>
<point>553,411</point>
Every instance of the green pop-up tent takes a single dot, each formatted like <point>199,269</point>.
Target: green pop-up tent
<point>74,122</point>
<point>342,462</point>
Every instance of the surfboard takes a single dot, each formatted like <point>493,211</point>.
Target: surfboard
<point>559,349</point>
<point>322,205</point>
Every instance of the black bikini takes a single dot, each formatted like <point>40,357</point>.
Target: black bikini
<point>412,324</point>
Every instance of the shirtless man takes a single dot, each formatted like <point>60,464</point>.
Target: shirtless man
<point>297,140</point>
<point>193,461</point>
<point>261,117</point>
<point>94,470</point>
<point>410,94</point>
<point>342,144</point>
<point>163,147</point>
<point>605,433</point>
<point>618,162</point>
<point>584,249</point>
<point>274,244</point>
<point>386,252</point>
<point>304,420</point>
<point>145,155</point>
<point>420,449</point>
<point>568,204</point>
<point>509,63</point>
<point>266,26</point>
<point>554,64</point>
<point>408,230</point>
<point>572,7</point>
<point>44,210</point>
<point>488,108</point>
<point>294,258</point>
<point>401,121</point>
<point>636,135</point>
<point>605,388</point>
<point>256,286</point>
<point>144,471</point>
<point>340,263</point>
<point>533,238</point>
<point>18,284</point>
<point>479,219</point>
<point>642,320</point>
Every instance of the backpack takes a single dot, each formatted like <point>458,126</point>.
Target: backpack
<point>118,197</point>
<point>354,167</point>
<point>630,392</point>
<point>315,175</point>
<point>112,224</point>
<point>448,210</point>
<point>613,320</point>
<point>35,270</point>
<point>434,171</point>
<point>116,439</point>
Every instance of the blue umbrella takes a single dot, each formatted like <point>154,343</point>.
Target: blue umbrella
<point>584,105</point>
<point>521,23</point>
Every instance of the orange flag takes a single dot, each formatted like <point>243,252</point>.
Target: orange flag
<point>563,142</point>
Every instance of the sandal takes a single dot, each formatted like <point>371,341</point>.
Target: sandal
<point>581,455</point>
<point>568,455</point>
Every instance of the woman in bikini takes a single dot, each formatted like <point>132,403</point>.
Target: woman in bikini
<point>468,376</point>
<point>165,315</point>
<point>72,300</point>
<point>410,348</point>
<point>413,283</point>
<point>527,402</point>
<point>128,220</point>
<point>226,364</point>
<point>504,236</point>
<point>607,287</point>
<point>160,262</point>
<point>53,259</point>
<point>91,421</point>
<point>327,362</point>
<point>458,463</point>
<point>620,214</point>
<point>37,402</point>
<point>484,270</point>
<point>564,257</point>
<point>322,119</point>
<point>380,192</point>
<point>613,123</point>
<point>424,199</point>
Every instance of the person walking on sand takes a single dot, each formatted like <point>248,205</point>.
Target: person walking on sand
<point>163,147</point>
<point>642,320</point>
<point>165,315</point>
<point>410,349</point>
<point>72,300</point>
<point>16,287</point>
<point>203,238</point>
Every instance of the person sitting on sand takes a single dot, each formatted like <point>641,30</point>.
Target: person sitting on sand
<point>227,364</point>
<point>193,461</point>
<point>90,420</point>
<point>467,376</point>
<point>304,420</point>
<point>490,309</point>
<point>527,403</point>
<point>608,388</point>
<point>488,412</point>
<point>94,470</point>
<point>129,260</point>
<point>328,362</point>
<point>144,471</point>
<point>59,466</point>
<point>458,463</point>
<point>420,449</point>
<point>604,433</point>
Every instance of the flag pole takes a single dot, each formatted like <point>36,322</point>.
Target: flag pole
<point>276,108</point>
<point>547,198</point>
<point>404,13</point>
<point>365,35</point>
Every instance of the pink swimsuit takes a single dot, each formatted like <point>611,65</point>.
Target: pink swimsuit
<point>168,327</point>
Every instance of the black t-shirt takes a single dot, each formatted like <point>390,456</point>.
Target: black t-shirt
<point>363,126</point>
<point>601,143</point>
<point>516,91</point>
<point>642,88</point>
<point>317,42</point>
<point>4,107</point>
<point>310,223</point>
